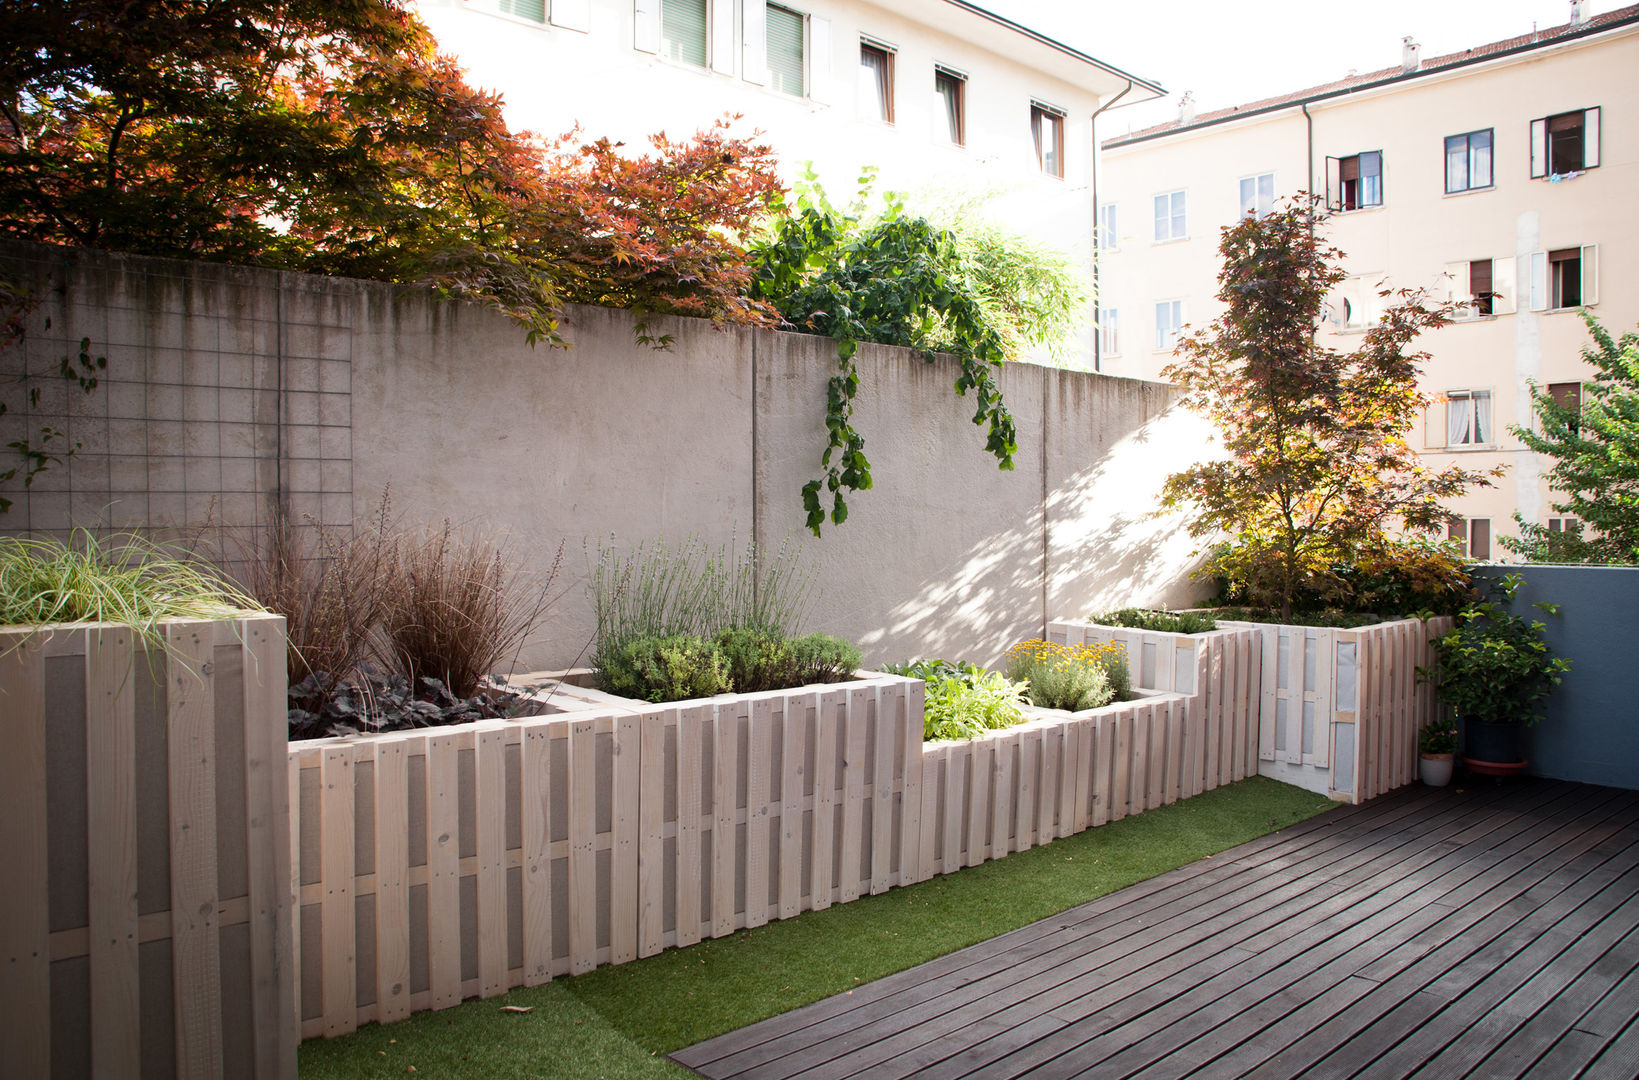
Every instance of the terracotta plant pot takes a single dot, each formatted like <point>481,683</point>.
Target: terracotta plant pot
<point>1435,769</point>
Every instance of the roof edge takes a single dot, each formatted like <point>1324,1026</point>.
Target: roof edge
<point>1068,50</point>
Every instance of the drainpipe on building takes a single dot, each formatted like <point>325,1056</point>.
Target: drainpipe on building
<point>1098,359</point>
<point>1309,152</point>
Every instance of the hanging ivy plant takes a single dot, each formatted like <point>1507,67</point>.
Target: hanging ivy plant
<point>895,282</point>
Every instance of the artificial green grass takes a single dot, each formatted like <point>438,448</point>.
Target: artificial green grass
<point>621,1021</point>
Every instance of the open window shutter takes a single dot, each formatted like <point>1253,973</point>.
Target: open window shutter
<point>1504,289</point>
<point>754,41</point>
<point>573,15</point>
<point>1371,178</point>
<point>1434,426</point>
<point>722,36</point>
<point>819,59</point>
<point>1334,183</point>
<point>1539,148</point>
<point>1590,275</point>
<point>1539,281</point>
<point>646,25</point>
<point>1590,138</point>
<point>1457,288</point>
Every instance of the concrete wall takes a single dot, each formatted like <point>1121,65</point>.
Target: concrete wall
<point>214,403</point>
<point>1591,732</point>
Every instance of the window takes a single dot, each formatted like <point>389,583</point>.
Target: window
<point>1170,220</point>
<point>1109,332</point>
<point>951,88</point>
<point>1481,287</point>
<point>1257,194</point>
<point>1473,535</point>
<point>1566,143</point>
<point>683,31</point>
<point>1468,161</point>
<point>1468,418</point>
<point>1169,316</point>
<point>1353,183</point>
<point>1568,395</point>
<point>875,82</point>
<point>533,10</point>
<point>1047,129</point>
<point>1108,237</point>
<point>1566,278</point>
<point>1561,524</point>
<point>786,31</point>
<point>1355,304</point>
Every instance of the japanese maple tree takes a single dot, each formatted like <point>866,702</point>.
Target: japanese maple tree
<point>1318,465</point>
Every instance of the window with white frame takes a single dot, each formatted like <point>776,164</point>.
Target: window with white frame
<point>1468,418</point>
<point>533,10</point>
<point>1047,131</point>
<point>1480,287</point>
<point>683,31</point>
<point>1473,536</point>
<point>786,50</point>
<point>1468,161</point>
<point>1108,237</point>
<point>1171,222</point>
<point>1109,331</point>
<point>1355,304</point>
<point>1565,278</point>
<point>950,87</point>
<point>1355,182</point>
<point>1565,143</point>
<point>1169,317</point>
<point>876,81</point>
<point>1257,194</point>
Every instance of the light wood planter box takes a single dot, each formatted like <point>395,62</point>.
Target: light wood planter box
<point>1219,673</point>
<point>145,926</point>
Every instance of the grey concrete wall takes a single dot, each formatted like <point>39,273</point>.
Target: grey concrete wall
<point>1591,731</point>
<point>356,387</point>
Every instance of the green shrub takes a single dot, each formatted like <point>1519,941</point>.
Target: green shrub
<point>1070,677</point>
<point>963,700</point>
<point>1115,667</point>
<point>671,668</point>
<point>757,660</point>
<point>820,658</point>
<point>1171,622</point>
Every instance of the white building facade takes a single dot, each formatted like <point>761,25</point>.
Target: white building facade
<point>1501,177</point>
<point>934,94</point>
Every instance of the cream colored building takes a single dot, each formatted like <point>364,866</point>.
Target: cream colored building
<point>932,93</point>
<point>1503,177</point>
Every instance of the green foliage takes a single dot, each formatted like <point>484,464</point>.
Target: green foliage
<point>820,658</point>
<point>896,281</point>
<point>963,700</point>
<point>1318,465</point>
<point>1170,622</point>
<point>1387,576</point>
<point>1596,460</point>
<point>756,659</point>
<point>1437,737</point>
<point>1495,667</point>
<point>1069,677</point>
<point>125,579</point>
<point>1346,620</point>
<point>671,668</point>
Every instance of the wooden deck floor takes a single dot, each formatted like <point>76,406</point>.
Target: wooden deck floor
<point>1489,932</point>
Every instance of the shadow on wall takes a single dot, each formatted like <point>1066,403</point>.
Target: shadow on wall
<point>1114,546</point>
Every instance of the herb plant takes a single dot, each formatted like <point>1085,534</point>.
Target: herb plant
<point>962,700</point>
<point>1437,737</point>
<point>1171,622</point>
<point>1495,667</point>
<point>671,668</point>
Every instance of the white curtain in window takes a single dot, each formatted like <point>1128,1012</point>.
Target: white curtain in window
<point>949,89</point>
<point>873,83</point>
<point>1482,419</point>
<point>1458,412</point>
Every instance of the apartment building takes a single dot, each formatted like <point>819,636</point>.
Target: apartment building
<point>1501,177</point>
<point>931,93</point>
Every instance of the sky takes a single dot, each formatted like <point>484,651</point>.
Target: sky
<point>1229,53</point>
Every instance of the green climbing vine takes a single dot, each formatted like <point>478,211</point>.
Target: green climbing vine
<point>894,281</point>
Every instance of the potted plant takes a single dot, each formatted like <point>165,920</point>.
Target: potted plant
<point>1496,670</point>
<point>1436,747</point>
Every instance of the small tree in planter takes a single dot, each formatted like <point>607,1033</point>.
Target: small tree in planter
<point>1318,463</point>
<point>1496,670</point>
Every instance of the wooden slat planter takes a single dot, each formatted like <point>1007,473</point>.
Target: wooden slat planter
<point>1219,673</point>
<point>145,927</point>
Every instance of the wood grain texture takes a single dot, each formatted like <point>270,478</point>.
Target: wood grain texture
<point>25,991</point>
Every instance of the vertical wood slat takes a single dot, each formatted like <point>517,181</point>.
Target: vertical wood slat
<point>1001,809</point>
<point>1102,764</point>
<point>794,770</point>
<point>1157,785</point>
<point>1267,711</point>
<point>443,871</point>
<point>853,795</point>
<point>1047,795</point>
<point>933,767</point>
<point>489,775</point>
<point>1070,752</point>
<point>624,794</point>
<point>25,922</point>
<point>981,766</point>
<point>1085,736</point>
<point>535,795</point>
<point>336,911</point>
<point>583,885</point>
<point>1325,673</point>
<point>725,801</point>
<point>1139,775</point>
<point>887,702</point>
<point>392,774</point>
<point>910,798</point>
<point>825,706</point>
<point>1175,752</point>
<point>651,795</point>
<point>111,851</point>
<point>191,762</point>
<point>759,762</point>
<point>293,894</point>
<point>1029,767</point>
<point>691,735</point>
<point>956,763</point>
<point>1120,786</point>
<point>1229,651</point>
